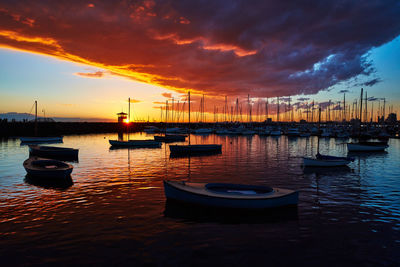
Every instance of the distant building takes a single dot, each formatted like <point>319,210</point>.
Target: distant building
<point>122,116</point>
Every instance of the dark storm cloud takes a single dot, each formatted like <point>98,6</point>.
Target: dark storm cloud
<point>262,48</point>
<point>372,82</point>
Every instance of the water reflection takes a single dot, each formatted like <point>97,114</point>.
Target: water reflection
<point>50,183</point>
<point>119,193</point>
<point>195,154</point>
<point>327,171</point>
<point>195,213</point>
<point>369,154</point>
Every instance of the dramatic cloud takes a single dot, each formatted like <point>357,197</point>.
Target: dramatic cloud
<point>372,82</point>
<point>167,95</point>
<point>234,48</point>
<point>97,74</point>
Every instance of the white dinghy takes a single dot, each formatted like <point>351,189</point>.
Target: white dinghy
<point>233,196</point>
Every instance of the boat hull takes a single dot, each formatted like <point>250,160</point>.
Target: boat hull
<point>193,149</point>
<point>311,162</point>
<point>40,139</point>
<point>136,143</point>
<point>360,147</point>
<point>176,192</point>
<point>53,152</point>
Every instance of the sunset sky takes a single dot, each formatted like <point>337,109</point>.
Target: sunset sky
<point>83,59</point>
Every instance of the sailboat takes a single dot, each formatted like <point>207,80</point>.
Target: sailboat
<point>324,160</point>
<point>365,145</point>
<point>194,149</point>
<point>169,138</point>
<point>36,139</point>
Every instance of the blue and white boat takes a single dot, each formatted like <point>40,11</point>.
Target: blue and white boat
<point>224,195</point>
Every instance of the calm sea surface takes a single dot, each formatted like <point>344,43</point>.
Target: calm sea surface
<point>115,212</point>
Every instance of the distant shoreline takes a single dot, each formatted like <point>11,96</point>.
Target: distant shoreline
<point>17,129</point>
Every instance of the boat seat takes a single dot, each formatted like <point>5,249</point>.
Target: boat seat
<point>238,189</point>
<point>46,163</point>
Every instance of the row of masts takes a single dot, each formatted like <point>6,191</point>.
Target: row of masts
<point>280,110</point>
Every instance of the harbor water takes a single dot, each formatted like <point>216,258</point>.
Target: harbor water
<point>114,210</point>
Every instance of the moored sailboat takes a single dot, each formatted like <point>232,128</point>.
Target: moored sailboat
<point>365,145</point>
<point>194,149</point>
<point>325,160</point>
<point>40,139</point>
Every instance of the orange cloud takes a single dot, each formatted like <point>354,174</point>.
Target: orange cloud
<point>97,74</point>
<point>135,100</point>
<point>167,95</point>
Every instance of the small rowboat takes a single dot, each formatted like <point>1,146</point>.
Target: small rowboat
<point>47,168</point>
<point>52,152</point>
<point>136,143</point>
<point>194,149</point>
<point>326,161</point>
<point>170,138</point>
<point>41,139</point>
<point>367,146</point>
<point>222,195</point>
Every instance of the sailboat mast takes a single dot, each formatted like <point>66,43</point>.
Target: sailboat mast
<point>372,112</point>
<point>277,114</point>
<point>225,108</point>
<point>361,99</point>
<point>366,107</point>
<point>344,106</point>
<point>319,125</point>
<point>189,116</point>
<point>312,111</point>
<point>36,127</point>
<point>384,107</point>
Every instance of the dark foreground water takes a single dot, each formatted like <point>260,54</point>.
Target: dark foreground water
<point>115,211</point>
